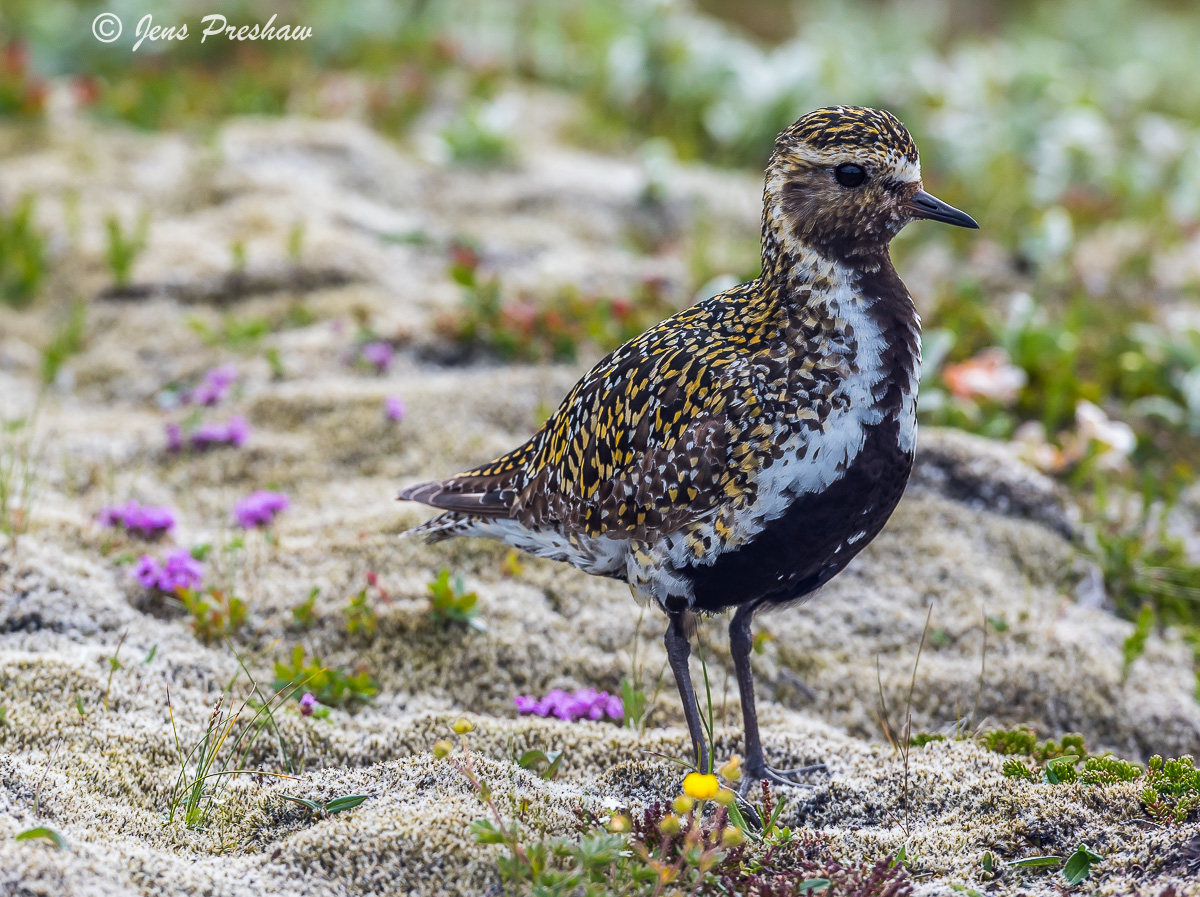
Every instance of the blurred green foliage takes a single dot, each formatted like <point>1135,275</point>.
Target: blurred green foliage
<point>22,254</point>
<point>536,328</point>
<point>332,686</point>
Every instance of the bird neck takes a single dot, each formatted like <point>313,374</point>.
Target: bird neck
<point>804,273</point>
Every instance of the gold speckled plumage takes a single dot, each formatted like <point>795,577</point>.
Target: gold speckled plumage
<point>674,423</point>
<point>742,451</point>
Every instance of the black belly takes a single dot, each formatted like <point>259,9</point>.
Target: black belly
<point>803,549</point>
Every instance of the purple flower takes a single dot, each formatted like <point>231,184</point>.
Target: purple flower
<point>234,432</point>
<point>308,704</point>
<point>147,521</point>
<point>583,703</point>
<point>394,408</point>
<point>237,431</point>
<point>150,521</point>
<point>378,354</point>
<point>525,704</point>
<point>147,571</point>
<point>215,385</point>
<point>259,508</point>
<point>179,571</point>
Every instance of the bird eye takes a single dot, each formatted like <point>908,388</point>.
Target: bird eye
<point>850,175</point>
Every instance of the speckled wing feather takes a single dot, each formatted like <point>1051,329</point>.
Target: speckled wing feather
<point>642,443</point>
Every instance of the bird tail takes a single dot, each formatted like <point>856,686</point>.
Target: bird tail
<point>440,528</point>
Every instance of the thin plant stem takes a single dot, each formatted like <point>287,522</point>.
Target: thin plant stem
<point>113,666</point>
<point>906,747</point>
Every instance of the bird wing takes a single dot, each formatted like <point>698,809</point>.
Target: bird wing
<point>643,442</point>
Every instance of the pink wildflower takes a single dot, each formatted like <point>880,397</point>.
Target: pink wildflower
<point>179,571</point>
<point>394,408</point>
<point>148,521</point>
<point>259,508</point>
<point>378,354</point>
<point>308,704</point>
<point>215,385</point>
<point>583,703</point>
<point>234,432</point>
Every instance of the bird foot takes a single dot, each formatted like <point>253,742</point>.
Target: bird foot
<point>754,773</point>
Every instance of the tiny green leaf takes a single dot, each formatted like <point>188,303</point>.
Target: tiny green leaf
<point>486,833</point>
<point>43,833</point>
<point>1037,861</point>
<point>1079,865</point>
<point>813,885</point>
<point>348,802</point>
<point>312,805</point>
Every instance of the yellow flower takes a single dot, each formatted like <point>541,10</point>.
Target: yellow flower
<point>732,836</point>
<point>442,748</point>
<point>732,771</point>
<point>725,797</point>
<point>700,785</point>
<point>463,725</point>
<point>619,823</point>
<point>682,804</point>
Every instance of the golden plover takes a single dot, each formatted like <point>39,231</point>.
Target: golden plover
<point>740,453</point>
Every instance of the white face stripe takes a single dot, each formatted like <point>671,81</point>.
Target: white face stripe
<point>907,171</point>
<point>894,166</point>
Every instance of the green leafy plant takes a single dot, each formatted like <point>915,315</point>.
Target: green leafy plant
<point>333,687</point>
<point>1172,792</point>
<point>1170,788</point>
<point>360,615</point>
<point>124,248</point>
<point>1075,868</point>
<point>22,255</point>
<point>1023,741</point>
<point>448,602</point>
<point>303,614</point>
<point>66,341</point>
<point>214,614</point>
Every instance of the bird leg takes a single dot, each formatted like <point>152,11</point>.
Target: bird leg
<point>755,765</point>
<point>678,651</point>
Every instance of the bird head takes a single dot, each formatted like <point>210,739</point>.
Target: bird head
<point>844,180</point>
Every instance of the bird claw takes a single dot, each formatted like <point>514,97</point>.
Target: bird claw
<point>752,776</point>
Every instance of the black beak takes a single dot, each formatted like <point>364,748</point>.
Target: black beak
<point>923,205</point>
